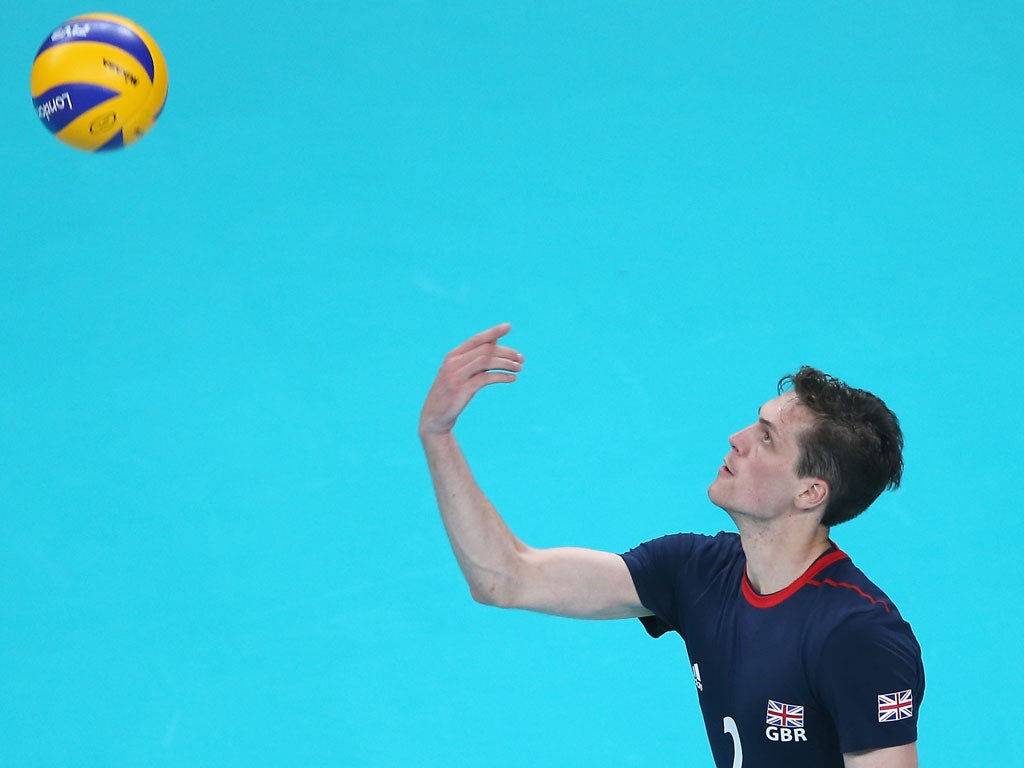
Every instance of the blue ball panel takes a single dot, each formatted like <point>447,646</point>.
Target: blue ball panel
<point>116,142</point>
<point>63,103</point>
<point>102,31</point>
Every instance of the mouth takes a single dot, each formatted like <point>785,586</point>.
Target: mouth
<point>724,469</point>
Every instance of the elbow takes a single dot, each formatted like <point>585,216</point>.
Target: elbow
<point>487,596</point>
<point>493,595</point>
<point>502,582</point>
<point>498,584</point>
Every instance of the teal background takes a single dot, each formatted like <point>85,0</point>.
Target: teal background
<point>218,543</point>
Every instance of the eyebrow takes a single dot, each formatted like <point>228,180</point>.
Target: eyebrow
<point>766,424</point>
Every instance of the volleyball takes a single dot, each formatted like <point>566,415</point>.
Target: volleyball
<point>99,82</point>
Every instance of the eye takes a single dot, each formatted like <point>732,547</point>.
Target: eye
<point>766,438</point>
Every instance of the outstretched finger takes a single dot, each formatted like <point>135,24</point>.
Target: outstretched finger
<point>490,336</point>
<point>493,365</point>
<point>485,359</point>
<point>508,353</point>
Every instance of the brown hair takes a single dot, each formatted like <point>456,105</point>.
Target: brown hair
<point>855,445</point>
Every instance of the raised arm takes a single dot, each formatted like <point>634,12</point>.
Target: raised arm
<point>499,568</point>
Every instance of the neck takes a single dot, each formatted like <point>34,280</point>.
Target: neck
<point>776,557</point>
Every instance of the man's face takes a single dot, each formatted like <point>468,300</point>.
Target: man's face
<point>758,478</point>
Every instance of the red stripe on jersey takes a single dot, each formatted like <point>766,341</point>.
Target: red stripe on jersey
<point>775,598</point>
<point>855,588</point>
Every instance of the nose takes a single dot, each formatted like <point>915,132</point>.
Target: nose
<point>738,440</point>
<point>734,441</point>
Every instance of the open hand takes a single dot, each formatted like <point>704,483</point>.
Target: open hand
<point>471,366</point>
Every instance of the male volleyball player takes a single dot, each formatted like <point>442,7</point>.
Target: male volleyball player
<point>798,659</point>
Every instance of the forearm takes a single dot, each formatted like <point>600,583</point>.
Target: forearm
<point>498,567</point>
<point>487,551</point>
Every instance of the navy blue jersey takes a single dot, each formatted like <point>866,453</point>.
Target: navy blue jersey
<point>786,680</point>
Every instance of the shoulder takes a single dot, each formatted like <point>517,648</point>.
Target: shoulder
<point>668,571</point>
<point>849,595</point>
<point>722,541</point>
<point>858,620</point>
<point>678,548</point>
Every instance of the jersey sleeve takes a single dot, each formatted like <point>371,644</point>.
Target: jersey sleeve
<point>871,680</point>
<point>667,571</point>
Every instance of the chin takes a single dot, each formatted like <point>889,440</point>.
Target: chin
<point>718,499</point>
<point>713,495</point>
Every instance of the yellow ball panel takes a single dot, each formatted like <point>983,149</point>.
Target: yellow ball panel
<point>99,82</point>
<point>159,64</point>
<point>86,62</point>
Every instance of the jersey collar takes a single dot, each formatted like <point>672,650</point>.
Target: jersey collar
<point>832,555</point>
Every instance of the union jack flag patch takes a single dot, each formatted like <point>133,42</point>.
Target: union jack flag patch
<point>895,706</point>
<point>785,715</point>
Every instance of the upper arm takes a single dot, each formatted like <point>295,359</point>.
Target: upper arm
<point>904,756</point>
<point>574,582</point>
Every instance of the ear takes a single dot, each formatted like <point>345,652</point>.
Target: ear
<point>813,494</point>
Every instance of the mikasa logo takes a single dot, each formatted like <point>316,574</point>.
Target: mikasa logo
<point>69,30</point>
<point>129,78</point>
